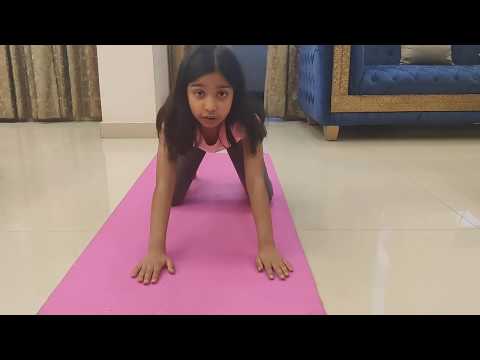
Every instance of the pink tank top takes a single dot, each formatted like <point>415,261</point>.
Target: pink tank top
<point>222,141</point>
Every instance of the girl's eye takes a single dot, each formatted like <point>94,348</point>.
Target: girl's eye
<point>223,94</point>
<point>198,93</point>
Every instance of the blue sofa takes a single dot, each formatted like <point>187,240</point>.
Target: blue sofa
<point>377,80</point>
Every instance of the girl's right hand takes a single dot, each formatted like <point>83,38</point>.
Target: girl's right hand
<point>148,270</point>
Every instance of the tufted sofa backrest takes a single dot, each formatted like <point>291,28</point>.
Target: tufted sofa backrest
<point>382,54</point>
<point>466,54</point>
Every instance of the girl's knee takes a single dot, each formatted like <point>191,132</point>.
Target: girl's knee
<point>177,200</point>
<point>269,186</point>
<point>270,197</point>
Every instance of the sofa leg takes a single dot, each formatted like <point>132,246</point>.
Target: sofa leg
<point>330,132</point>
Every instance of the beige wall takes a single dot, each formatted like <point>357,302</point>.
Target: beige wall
<point>133,83</point>
<point>160,67</point>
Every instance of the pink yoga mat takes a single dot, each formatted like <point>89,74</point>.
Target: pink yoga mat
<point>212,240</point>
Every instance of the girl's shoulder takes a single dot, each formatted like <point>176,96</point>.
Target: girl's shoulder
<point>259,119</point>
<point>238,129</point>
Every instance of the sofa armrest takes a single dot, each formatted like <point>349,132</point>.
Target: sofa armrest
<point>315,80</point>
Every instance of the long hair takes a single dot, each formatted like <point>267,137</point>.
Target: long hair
<point>176,118</point>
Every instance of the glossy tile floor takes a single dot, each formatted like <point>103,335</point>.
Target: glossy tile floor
<point>389,218</point>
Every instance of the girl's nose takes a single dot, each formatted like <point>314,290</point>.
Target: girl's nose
<point>210,105</point>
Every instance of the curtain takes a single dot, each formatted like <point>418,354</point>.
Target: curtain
<point>175,57</point>
<point>281,82</point>
<point>49,82</point>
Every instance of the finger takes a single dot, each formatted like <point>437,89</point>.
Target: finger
<point>285,270</point>
<point>269,271</point>
<point>135,270</point>
<point>141,275</point>
<point>156,273</point>
<point>259,264</point>
<point>170,266</point>
<point>289,267</point>
<point>279,272</point>
<point>148,275</point>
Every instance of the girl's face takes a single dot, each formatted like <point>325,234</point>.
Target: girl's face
<point>210,98</point>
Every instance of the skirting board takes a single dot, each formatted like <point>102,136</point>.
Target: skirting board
<point>128,130</point>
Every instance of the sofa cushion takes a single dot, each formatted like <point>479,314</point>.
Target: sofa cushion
<point>426,54</point>
<point>417,79</point>
<point>390,54</point>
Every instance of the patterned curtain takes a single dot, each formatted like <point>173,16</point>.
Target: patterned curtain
<point>49,82</point>
<point>281,82</point>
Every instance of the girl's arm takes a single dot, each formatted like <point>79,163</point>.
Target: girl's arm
<point>149,268</point>
<point>269,258</point>
<point>257,192</point>
<point>162,198</point>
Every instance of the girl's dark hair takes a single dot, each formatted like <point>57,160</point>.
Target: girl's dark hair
<point>179,124</point>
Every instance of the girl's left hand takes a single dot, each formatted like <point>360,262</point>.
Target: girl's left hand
<point>270,261</point>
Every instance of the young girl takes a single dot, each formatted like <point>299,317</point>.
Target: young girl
<point>207,112</point>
